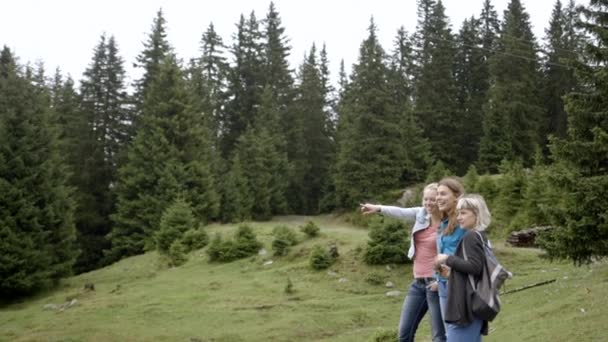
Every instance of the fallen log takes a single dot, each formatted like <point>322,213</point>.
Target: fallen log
<point>526,237</point>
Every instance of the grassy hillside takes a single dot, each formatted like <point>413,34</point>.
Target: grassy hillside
<point>137,299</point>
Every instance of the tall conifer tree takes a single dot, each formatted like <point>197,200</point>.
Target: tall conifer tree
<point>436,104</point>
<point>245,82</point>
<point>156,49</point>
<point>370,153</point>
<point>37,232</point>
<point>582,224</point>
<point>562,45</point>
<point>208,76</point>
<point>104,105</point>
<point>513,114</point>
<point>169,156</point>
<point>417,154</point>
<point>312,146</point>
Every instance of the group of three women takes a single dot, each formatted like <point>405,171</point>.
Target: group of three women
<point>445,223</point>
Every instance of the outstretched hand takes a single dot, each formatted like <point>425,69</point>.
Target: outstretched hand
<point>367,208</point>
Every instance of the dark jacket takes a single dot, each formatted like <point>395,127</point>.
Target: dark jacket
<point>458,310</point>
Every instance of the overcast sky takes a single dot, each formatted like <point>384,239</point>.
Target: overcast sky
<point>63,33</point>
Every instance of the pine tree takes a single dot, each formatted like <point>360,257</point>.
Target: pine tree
<point>489,29</point>
<point>472,84</point>
<point>252,149</point>
<point>76,143</point>
<point>169,156</point>
<point>70,124</point>
<point>245,82</point>
<point>237,200</point>
<point>581,233</point>
<point>276,72</point>
<point>417,156</point>
<point>538,198</point>
<point>175,221</point>
<point>104,136</point>
<point>435,89</point>
<point>261,149</point>
<point>207,78</point>
<point>513,114</point>
<point>562,46</point>
<point>310,147</point>
<point>328,92</point>
<point>156,49</point>
<point>36,211</point>
<point>370,153</point>
<point>511,189</point>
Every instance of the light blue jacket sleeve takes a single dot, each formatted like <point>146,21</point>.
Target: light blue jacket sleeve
<point>400,213</point>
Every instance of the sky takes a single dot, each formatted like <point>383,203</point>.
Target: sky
<point>63,33</point>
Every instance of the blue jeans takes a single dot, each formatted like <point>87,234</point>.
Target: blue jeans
<point>465,333</point>
<point>418,301</point>
<point>443,299</point>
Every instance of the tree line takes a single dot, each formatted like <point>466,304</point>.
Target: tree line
<point>87,171</point>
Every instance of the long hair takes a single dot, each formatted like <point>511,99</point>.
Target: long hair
<point>457,189</point>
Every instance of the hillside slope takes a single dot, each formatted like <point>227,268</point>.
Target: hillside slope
<point>137,299</point>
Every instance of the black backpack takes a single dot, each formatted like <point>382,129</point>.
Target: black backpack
<point>486,301</point>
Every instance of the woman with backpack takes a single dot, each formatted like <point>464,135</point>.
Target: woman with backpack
<point>422,295</point>
<point>462,325</point>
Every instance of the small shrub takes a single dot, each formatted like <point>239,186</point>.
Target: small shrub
<point>177,254</point>
<point>215,248</point>
<point>384,335</point>
<point>241,246</point>
<point>375,278</point>
<point>437,171</point>
<point>283,239</point>
<point>320,258</point>
<point>358,251</point>
<point>280,246</point>
<point>470,179</point>
<point>194,239</point>
<point>246,241</point>
<point>285,233</point>
<point>175,221</point>
<point>487,187</point>
<point>289,287</point>
<point>388,243</point>
<point>333,250</point>
<point>310,229</point>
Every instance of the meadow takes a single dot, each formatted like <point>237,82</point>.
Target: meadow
<point>140,299</point>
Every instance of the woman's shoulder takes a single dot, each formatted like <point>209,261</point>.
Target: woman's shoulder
<point>473,236</point>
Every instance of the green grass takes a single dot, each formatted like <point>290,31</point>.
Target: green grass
<point>137,299</point>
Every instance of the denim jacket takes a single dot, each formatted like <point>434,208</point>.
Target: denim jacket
<point>446,244</point>
<point>422,221</point>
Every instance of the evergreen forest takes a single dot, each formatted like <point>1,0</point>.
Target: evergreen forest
<point>89,166</point>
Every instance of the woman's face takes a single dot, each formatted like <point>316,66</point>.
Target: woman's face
<point>466,218</point>
<point>446,200</point>
<point>429,201</point>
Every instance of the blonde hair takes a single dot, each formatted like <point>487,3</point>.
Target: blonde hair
<point>477,205</point>
<point>457,189</point>
<point>429,187</point>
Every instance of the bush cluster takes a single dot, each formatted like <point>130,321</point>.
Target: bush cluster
<point>283,239</point>
<point>243,244</point>
<point>310,229</point>
<point>320,258</point>
<point>178,233</point>
<point>388,242</point>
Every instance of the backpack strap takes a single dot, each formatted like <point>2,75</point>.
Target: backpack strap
<point>464,252</point>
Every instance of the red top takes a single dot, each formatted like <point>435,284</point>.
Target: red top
<point>426,250</point>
